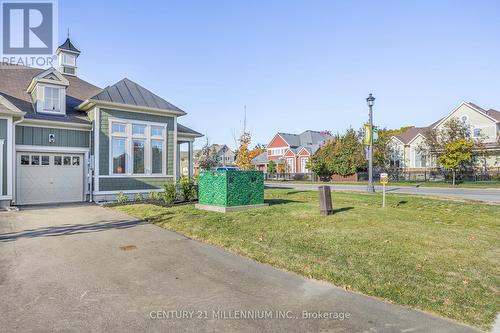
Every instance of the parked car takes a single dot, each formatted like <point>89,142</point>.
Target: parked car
<point>226,169</point>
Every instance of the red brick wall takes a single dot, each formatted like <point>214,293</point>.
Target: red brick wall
<point>339,178</point>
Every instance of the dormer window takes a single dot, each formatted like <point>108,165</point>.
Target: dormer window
<point>52,99</point>
<point>48,92</point>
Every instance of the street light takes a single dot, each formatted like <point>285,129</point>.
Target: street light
<point>370,101</point>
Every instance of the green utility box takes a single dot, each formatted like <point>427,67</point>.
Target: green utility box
<point>230,188</point>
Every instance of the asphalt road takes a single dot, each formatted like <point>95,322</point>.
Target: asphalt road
<point>84,268</point>
<point>486,195</point>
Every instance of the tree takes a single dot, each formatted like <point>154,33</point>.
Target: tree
<point>383,150</point>
<point>243,160</point>
<point>455,154</point>
<point>271,167</point>
<point>260,146</point>
<point>451,145</point>
<point>342,155</point>
<point>208,157</point>
<point>255,152</point>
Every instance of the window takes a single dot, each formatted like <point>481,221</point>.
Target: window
<point>138,130</point>
<point>67,160</point>
<point>277,151</point>
<point>303,164</point>
<point>477,132</point>
<point>138,153</point>
<point>69,70</point>
<point>57,160</point>
<point>137,149</point>
<point>25,160</point>
<point>51,97</point>
<point>156,156</point>
<point>420,160</point>
<point>76,160</point>
<point>35,160</point>
<point>118,153</point>
<point>45,160</point>
<point>464,118</point>
<point>156,131</point>
<point>118,128</point>
<point>69,59</point>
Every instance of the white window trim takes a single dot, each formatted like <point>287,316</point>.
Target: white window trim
<point>1,166</point>
<point>303,164</point>
<point>66,56</point>
<point>278,151</point>
<point>129,137</point>
<point>41,99</point>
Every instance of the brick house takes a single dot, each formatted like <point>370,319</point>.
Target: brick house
<point>291,151</point>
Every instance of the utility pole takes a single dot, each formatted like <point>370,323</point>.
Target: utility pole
<point>370,101</point>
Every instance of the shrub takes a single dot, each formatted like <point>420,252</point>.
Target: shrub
<point>187,188</point>
<point>138,197</point>
<point>170,194</point>
<point>154,196</point>
<point>121,198</point>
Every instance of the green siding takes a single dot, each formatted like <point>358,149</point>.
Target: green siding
<point>231,188</point>
<point>39,136</point>
<point>104,137</point>
<point>3,155</point>
<point>129,183</point>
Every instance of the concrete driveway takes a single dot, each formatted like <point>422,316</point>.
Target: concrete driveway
<point>87,268</point>
<point>489,195</point>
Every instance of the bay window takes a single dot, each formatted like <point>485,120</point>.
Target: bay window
<point>137,148</point>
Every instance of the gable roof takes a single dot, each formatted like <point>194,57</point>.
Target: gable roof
<point>218,147</point>
<point>410,134</point>
<point>305,138</point>
<point>259,159</point>
<point>68,46</point>
<point>51,76</point>
<point>491,114</point>
<point>15,79</point>
<point>128,92</point>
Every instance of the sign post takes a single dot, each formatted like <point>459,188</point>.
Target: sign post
<point>384,179</point>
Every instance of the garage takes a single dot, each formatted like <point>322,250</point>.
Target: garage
<point>49,177</point>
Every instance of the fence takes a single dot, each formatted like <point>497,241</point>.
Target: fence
<point>401,175</point>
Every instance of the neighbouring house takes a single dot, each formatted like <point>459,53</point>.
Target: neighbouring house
<point>484,125</point>
<point>291,151</point>
<point>224,155</point>
<point>66,140</point>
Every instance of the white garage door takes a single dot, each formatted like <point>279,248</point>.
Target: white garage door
<point>49,178</point>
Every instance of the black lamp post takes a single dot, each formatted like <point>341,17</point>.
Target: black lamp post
<point>370,101</point>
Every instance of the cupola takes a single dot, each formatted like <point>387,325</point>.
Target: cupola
<point>67,54</point>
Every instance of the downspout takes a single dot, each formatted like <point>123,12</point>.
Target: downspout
<point>91,166</point>
<point>14,157</point>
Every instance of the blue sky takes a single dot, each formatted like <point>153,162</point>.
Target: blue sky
<point>296,65</point>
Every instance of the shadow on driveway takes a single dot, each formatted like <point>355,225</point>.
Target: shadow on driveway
<point>69,229</point>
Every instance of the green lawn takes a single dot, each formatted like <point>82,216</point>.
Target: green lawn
<point>482,184</point>
<point>435,255</point>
